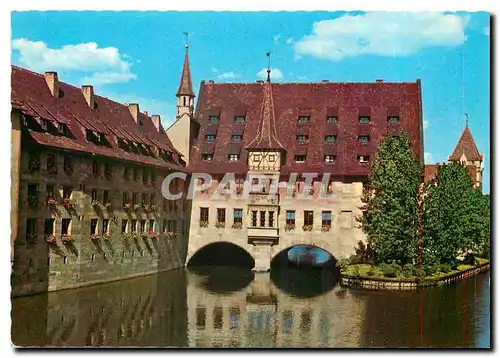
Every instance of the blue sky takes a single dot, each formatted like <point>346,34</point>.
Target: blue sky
<point>137,57</point>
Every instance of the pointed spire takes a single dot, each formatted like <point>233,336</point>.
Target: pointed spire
<point>186,86</point>
<point>268,54</point>
<point>466,146</point>
<point>266,137</point>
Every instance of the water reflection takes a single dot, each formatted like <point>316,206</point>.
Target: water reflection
<point>225,307</point>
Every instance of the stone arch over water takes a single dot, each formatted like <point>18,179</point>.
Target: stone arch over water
<point>223,253</point>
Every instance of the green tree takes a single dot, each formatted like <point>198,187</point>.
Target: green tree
<point>390,202</point>
<point>455,216</point>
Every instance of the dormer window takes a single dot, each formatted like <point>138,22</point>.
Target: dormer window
<point>44,124</point>
<point>210,138</point>
<point>299,158</point>
<point>363,138</point>
<point>364,119</point>
<point>331,119</point>
<point>236,138</point>
<point>233,157</point>
<point>362,159</point>
<point>213,119</point>
<point>330,139</point>
<point>256,157</point>
<point>239,119</point>
<point>303,119</point>
<point>329,158</point>
<point>301,139</point>
<point>271,158</point>
<point>207,156</point>
<point>393,119</point>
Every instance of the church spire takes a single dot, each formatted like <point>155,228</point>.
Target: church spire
<point>186,86</point>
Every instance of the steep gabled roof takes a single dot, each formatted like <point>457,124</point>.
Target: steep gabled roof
<point>185,86</point>
<point>467,146</point>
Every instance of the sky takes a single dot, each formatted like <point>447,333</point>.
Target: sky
<point>137,57</point>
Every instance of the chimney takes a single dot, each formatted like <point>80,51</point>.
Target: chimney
<point>211,81</point>
<point>260,81</point>
<point>324,81</point>
<point>156,121</point>
<point>52,82</point>
<point>146,113</point>
<point>134,110</point>
<point>379,80</point>
<point>88,93</point>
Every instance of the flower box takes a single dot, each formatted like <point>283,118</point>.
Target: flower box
<point>326,228</point>
<point>126,236</point>
<point>289,227</point>
<point>170,234</point>
<point>127,206</point>
<point>203,223</point>
<point>34,165</point>
<point>68,170</point>
<point>32,201</point>
<point>51,239</point>
<point>108,175</point>
<point>108,206</point>
<point>94,237</point>
<point>95,204</point>
<point>31,238</point>
<point>134,235</point>
<point>237,226</point>
<point>220,224</point>
<point>51,202</point>
<point>153,207</point>
<point>307,227</point>
<point>67,203</point>
<point>144,236</point>
<point>146,207</point>
<point>106,235</point>
<point>137,207</point>
<point>152,234</point>
<point>66,238</point>
<point>52,169</point>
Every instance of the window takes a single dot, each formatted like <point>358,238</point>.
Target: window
<point>233,157</point>
<point>256,157</point>
<point>236,138</point>
<point>254,218</point>
<point>164,225</point>
<point>105,196</point>
<point>144,198</point>
<point>32,190</point>
<point>174,225</point>
<point>134,198</point>
<point>105,225</point>
<point>50,190</point>
<point>34,161</point>
<point>221,215</point>
<point>30,227</point>
<point>65,227</point>
<point>210,138</point>
<point>239,119</point>
<point>308,217</point>
<point>213,119</point>
<point>204,214</point>
<point>329,158</point>
<point>107,171</point>
<point>143,225</point>
<point>303,119</point>
<point>345,219</point>
<point>271,219</point>
<point>125,198</point>
<point>44,124</point>
<point>290,217</point>
<point>151,224</point>
<point>301,139</point>
<point>363,138</point>
<point>145,177</point>
<point>134,225</point>
<point>363,158</point>
<point>68,164</point>
<point>326,218</point>
<point>95,168</point>
<point>51,164</point>
<point>238,216</point>
<point>67,191</point>
<point>49,227</point>
<point>299,158</point>
<point>124,225</point>
<point>136,174</point>
<point>272,158</point>
<point>126,173</point>
<point>262,218</point>
<point>330,139</point>
<point>93,226</point>
<point>331,119</point>
<point>364,119</point>
<point>152,199</point>
<point>206,156</point>
<point>393,119</point>
<point>94,194</point>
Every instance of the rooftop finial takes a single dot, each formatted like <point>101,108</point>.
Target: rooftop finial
<point>187,44</point>
<point>268,54</point>
<point>466,120</point>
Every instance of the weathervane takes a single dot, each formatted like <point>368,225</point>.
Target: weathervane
<point>187,44</point>
<point>268,54</point>
<point>466,119</point>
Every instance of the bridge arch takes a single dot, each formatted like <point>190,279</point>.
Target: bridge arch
<point>220,253</point>
<point>280,251</point>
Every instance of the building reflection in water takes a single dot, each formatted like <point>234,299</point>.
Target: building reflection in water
<point>232,307</point>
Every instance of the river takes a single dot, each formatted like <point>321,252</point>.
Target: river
<point>232,307</point>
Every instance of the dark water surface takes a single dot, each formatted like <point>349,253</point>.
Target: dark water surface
<point>232,307</point>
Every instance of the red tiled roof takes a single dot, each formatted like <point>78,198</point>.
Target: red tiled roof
<point>430,171</point>
<point>186,86</point>
<point>290,100</point>
<point>467,146</point>
<point>31,95</point>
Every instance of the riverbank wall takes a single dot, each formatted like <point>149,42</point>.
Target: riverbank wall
<point>379,283</point>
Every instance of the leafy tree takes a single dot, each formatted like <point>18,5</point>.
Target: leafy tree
<point>455,216</point>
<point>390,203</point>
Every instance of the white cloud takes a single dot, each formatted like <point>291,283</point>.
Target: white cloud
<point>228,76</point>
<point>214,70</point>
<point>276,38</point>
<point>381,33</point>
<point>289,40</point>
<point>276,74</point>
<point>105,65</point>
<point>486,31</point>
<point>428,159</point>
<point>426,124</point>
